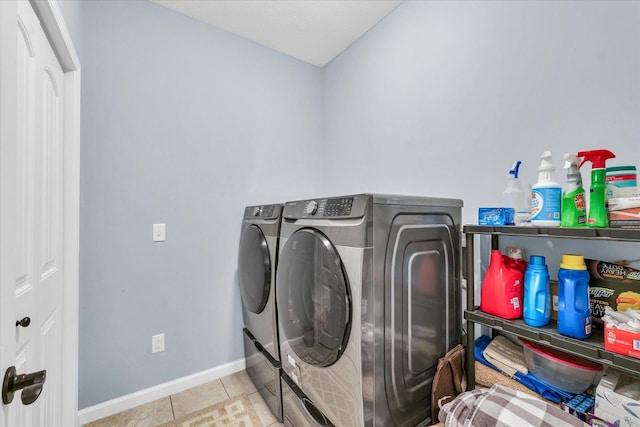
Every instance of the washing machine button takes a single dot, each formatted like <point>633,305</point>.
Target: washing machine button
<point>311,208</point>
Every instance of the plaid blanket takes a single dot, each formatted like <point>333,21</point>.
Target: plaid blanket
<point>503,407</point>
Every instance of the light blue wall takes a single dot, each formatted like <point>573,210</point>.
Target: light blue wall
<point>185,125</point>
<point>441,97</point>
<point>182,124</point>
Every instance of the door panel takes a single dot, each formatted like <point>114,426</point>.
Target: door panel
<point>254,269</point>
<point>421,310</point>
<point>422,326</point>
<point>313,298</point>
<point>39,219</point>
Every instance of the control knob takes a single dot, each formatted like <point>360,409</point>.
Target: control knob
<point>257,211</point>
<point>312,207</point>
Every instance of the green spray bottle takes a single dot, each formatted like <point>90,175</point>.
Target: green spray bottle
<point>598,215</point>
<point>574,204</point>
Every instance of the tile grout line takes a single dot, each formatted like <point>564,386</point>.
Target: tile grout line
<point>225,388</point>
<point>173,412</point>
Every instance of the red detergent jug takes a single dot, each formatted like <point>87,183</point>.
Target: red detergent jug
<point>502,289</point>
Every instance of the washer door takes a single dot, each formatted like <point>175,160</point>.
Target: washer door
<point>254,269</point>
<point>313,298</point>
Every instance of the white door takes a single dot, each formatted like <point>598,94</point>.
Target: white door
<point>33,230</point>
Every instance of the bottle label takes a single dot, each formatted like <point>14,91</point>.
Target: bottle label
<point>546,204</point>
<point>579,201</point>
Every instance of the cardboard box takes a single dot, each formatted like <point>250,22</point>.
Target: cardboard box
<point>597,422</point>
<point>582,406</point>
<point>579,406</point>
<point>614,285</point>
<point>496,216</point>
<point>624,212</point>
<point>621,342</point>
<point>614,403</point>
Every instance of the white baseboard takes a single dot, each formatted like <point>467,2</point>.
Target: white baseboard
<point>114,406</point>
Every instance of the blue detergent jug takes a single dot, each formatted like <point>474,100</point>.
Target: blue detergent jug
<point>537,293</point>
<point>574,314</point>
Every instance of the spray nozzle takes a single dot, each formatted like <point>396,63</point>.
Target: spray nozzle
<point>546,162</point>
<point>571,160</point>
<point>598,158</point>
<point>515,168</point>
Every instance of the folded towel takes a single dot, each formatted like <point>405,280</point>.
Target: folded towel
<point>508,355</point>
<point>548,392</point>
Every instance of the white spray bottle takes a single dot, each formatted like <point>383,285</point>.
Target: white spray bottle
<point>514,197</point>
<point>546,195</point>
<point>574,206</point>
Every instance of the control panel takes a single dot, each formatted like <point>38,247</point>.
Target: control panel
<point>263,212</point>
<point>338,207</point>
<point>330,208</point>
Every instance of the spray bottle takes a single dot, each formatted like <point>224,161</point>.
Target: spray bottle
<point>513,196</point>
<point>574,207</point>
<point>598,217</point>
<point>546,195</point>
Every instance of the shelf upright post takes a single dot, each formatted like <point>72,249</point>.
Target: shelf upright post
<point>470,359</point>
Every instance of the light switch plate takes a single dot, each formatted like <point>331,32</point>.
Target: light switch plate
<point>159,232</point>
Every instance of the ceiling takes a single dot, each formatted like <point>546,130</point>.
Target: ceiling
<point>314,31</point>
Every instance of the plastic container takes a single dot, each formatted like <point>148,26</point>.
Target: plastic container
<point>502,289</point>
<point>546,196</point>
<point>621,181</point>
<point>574,314</point>
<point>562,370</point>
<point>537,293</point>
<point>513,196</point>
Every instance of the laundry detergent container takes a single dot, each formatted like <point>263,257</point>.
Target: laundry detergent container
<point>558,369</point>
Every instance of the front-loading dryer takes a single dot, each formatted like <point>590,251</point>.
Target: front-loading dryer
<point>368,301</point>
<point>257,262</point>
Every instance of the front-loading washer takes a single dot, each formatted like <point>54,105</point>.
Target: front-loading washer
<point>368,301</point>
<point>257,262</point>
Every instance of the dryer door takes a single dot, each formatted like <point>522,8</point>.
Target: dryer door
<point>254,269</point>
<point>421,309</point>
<point>313,298</point>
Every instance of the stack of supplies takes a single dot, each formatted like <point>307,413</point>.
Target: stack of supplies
<point>623,197</point>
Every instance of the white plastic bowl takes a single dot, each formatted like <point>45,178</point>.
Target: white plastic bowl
<point>559,369</point>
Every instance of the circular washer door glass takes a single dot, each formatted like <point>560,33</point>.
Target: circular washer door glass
<point>313,298</point>
<point>254,269</point>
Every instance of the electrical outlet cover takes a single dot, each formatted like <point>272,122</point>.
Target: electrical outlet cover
<point>157,343</point>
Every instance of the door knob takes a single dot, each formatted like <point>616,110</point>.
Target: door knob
<point>30,384</point>
<point>26,321</point>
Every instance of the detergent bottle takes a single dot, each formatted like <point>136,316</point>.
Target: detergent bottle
<point>546,195</point>
<point>537,292</point>
<point>574,313</point>
<point>502,289</point>
<point>598,216</point>
<point>574,205</point>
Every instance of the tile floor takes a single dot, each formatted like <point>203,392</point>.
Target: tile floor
<point>192,400</point>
